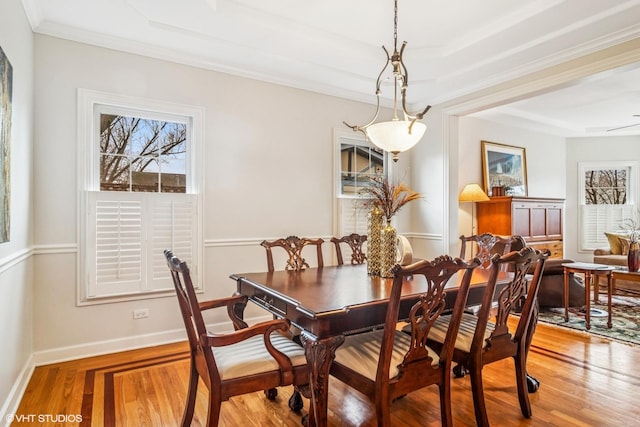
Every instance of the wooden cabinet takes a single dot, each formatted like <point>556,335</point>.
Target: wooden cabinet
<point>537,220</point>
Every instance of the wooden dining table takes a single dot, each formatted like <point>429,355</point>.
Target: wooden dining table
<point>330,302</point>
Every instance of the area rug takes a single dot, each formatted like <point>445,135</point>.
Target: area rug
<point>625,318</point>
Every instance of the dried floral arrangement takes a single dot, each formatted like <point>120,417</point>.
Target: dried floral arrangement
<point>388,197</point>
<point>632,227</point>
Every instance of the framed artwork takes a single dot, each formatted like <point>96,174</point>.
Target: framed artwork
<point>6,80</point>
<point>504,169</point>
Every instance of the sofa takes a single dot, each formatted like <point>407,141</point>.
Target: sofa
<point>616,254</point>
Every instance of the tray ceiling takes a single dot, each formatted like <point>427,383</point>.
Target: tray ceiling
<point>454,49</point>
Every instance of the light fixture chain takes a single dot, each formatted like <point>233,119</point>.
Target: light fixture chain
<point>395,25</point>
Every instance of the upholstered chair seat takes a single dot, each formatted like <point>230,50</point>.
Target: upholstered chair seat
<point>465,333</point>
<point>361,353</point>
<point>251,357</point>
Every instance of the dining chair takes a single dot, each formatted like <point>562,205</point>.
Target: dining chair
<point>487,244</point>
<point>250,359</point>
<point>354,241</point>
<point>293,246</point>
<point>385,364</point>
<point>482,341</point>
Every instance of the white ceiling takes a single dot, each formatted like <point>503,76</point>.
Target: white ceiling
<point>454,48</point>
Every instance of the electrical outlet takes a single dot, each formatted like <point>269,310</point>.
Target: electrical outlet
<point>141,313</point>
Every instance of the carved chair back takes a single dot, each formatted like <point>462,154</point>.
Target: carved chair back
<point>293,245</point>
<point>487,244</point>
<point>355,242</point>
<point>387,363</point>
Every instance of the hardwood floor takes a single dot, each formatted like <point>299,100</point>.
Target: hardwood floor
<point>585,381</point>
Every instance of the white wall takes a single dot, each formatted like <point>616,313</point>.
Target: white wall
<point>268,156</point>
<point>16,290</point>
<point>428,168</point>
<point>590,150</point>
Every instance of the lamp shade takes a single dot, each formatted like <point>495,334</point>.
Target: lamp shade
<point>394,136</point>
<point>473,193</point>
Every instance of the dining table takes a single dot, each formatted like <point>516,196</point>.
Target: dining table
<point>331,302</point>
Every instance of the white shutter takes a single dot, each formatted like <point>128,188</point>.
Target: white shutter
<point>131,231</point>
<point>115,262</point>
<point>173,226</point>
<point>596,219</point>
<point>353,216</point>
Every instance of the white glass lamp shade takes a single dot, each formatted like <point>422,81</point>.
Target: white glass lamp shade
<point>393,136</point>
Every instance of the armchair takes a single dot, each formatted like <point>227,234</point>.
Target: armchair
<point>250,359</point>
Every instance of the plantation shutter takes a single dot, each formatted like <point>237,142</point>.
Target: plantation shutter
<point>353,216</point>
<point>173,227</point>
<point>596,219</point>
<point>130,231</point>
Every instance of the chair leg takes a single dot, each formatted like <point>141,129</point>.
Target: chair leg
<point>477,390</point>
<point>271,393</point>
<point>295,402</point>
<point>521,381</point>
<point>383,409</point>
<point>213,415</point>
<point>446,417</point>
<point>460,371</point>
<point>187,415</point>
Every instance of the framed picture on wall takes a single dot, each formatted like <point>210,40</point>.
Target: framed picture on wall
<point>6,81</point>
<point>504,169</point>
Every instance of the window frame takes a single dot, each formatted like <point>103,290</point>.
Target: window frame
<point>353,138</point>
<point>611,214</point>
<point>90,103</point>
<point>345,203</point>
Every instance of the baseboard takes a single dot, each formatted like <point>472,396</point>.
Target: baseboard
<point>97,348</point>
<point>12,402</point>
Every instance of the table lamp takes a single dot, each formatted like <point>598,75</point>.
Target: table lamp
<point>472,193</point>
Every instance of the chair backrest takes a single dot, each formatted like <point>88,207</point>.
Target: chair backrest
<point>293,245</point>
<point>527,266</point>
<point>488,244</point>
<point>417,367</point>
<point>355,242</point>
<point>191,315</point>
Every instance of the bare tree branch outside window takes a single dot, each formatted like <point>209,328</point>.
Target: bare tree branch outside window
<point>138,154</point>
<point>606,186</point>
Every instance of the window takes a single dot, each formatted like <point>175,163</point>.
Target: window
<point>608,194</point>
<point>356,162</point>
<point>139,154</point>
<point>140,194</point>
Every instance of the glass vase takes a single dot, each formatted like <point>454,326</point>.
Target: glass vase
<point>388,250</point>
<point>374,236</point>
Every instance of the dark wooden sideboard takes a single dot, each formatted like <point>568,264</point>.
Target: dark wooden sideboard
<point>538,220</point>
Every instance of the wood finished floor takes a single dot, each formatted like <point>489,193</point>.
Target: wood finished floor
<point>585,381</point>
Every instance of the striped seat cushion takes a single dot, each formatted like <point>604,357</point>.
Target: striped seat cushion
<point>251,357</point>
<point>361,352</point>
<point>465,334</point>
